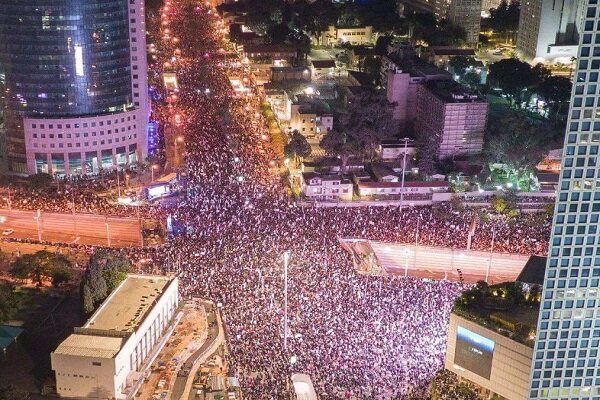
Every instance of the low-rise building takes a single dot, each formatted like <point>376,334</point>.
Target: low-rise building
<point>389,189</point>
<point>289,73</point>
<point>318,186</point>
<point>441,55</point>
<point>311,117</point>
<point>322,69</point>
<point>491,338</point>
<point>105,357</point>
<point>451,117</point>
<point>280,102</point>
<point>391,150</point>
<point>361,35</point>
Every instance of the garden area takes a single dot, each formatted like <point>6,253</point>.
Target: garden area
<point>507,308</point>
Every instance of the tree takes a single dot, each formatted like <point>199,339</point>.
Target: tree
<point>505,18</point>
<point>298,147</point>
<point>104,272</point>
<point>513,77</point>
<point>460,64</point>
<point>361,129</point>
<point>40,266</point>
<point>555,90</point>
<point>471,80</point>
<point>87,300</point>
<point>61,275</point>
<point>9,302</point>
<point>515,142</point>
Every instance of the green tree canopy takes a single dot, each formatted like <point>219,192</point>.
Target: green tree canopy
<point>555,90</point>
<point>506,17</point>
<point>297,147</point>
<point>361,129</point>
<point>104,272</point>
<point>513,77</point>
<point>514,141</point>
<point>42,266</point>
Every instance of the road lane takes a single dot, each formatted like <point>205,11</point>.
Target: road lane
<point>86,229</point>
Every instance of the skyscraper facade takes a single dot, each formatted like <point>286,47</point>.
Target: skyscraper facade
<point>549,29</point>
<point>566,363</point>
<point>76,84</point>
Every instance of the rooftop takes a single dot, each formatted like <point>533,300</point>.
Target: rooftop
<point>127,306</point>
<point>268,48</point>
<point>407,61</point>
<point>452,92</point>
<point>323,64</point>
<point>505,308</point>
<point>408,184</point>
<point>90,346</point>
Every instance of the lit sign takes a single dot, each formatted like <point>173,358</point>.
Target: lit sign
<point>474,352</point>
<point>78,60</point>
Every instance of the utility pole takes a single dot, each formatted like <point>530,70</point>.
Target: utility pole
<point>487,272</point>
<point>39,228</point>
<point>118,183</point>
<point>107,232</point>
<point>406,140</point>
<point>286,261</point>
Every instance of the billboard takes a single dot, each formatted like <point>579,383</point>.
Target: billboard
<point>474,352</point>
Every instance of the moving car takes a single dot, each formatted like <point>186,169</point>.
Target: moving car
<point>7,232</point>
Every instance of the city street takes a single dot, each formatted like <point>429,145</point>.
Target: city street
<point>72,228</point>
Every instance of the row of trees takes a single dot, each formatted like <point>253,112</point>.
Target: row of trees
<point>518,81</point>
<point>104,272</point>
<point>42,266</point>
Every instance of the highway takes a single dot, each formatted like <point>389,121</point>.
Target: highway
<point>85,229</point>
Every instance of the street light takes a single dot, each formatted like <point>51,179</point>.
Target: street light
<point>107,233</point>
<point>39,228</point>
<point>286,261</point>
<point>154,166</point>
<point>406,140</point>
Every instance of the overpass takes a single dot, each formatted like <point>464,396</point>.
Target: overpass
<point>88,229</point>
<point>433,262</point>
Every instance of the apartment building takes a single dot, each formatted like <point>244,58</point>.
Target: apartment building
<point>452,117</point>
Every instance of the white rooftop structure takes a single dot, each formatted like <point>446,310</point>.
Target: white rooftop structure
<point>105,357</point>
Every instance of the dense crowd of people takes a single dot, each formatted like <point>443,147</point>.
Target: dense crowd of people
<point>356,336</point>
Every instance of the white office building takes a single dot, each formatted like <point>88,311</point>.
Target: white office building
<point>549,30</point>
<point>566,359</point>
<point>106,357</point>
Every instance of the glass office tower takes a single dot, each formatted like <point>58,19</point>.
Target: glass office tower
<point>566,363</point>
<point>66,59</point>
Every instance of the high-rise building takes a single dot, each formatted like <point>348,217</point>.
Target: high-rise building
<point>76,84</point>
<point>566,360</point>
<point>464,13</point>
<point>549,30</point>
<point>451,118</point>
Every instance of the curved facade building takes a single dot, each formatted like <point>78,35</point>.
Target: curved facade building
<point>68,64</point>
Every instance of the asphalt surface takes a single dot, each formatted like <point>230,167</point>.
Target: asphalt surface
<point>85,229</point>
<point>213,332</point>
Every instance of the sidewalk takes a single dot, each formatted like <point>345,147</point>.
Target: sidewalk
<point>183,384</point>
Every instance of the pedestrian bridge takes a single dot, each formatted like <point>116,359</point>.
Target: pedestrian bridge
<point>374,257</point>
